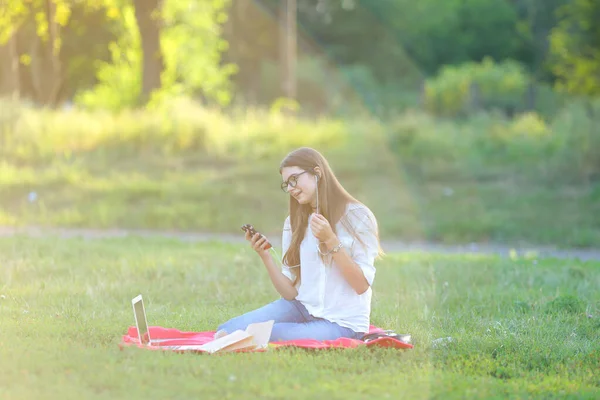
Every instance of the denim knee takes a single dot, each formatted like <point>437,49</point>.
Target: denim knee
<point>227,326</point>
<point>240,322</point>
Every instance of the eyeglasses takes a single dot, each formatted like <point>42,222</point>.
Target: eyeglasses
<point>292,181</point>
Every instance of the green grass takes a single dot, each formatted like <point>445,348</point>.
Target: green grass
<point>520,326</point>
<point>188,168</point>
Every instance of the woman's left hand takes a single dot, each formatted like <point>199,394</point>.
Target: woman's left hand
<point>321,228</point>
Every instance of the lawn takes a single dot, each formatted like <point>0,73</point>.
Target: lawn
<point>521,328</point>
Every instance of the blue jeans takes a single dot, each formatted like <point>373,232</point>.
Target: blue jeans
<point>292,321</point>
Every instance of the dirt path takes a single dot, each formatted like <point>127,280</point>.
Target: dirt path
<point>388,246</point>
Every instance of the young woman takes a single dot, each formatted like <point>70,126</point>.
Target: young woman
<point>330,242</point>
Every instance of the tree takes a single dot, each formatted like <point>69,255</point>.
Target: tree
<point>147,13</point>
<point>575,48</point>
<point>9,67</point>
<point>40,21</point>
<point>47,71</point>
<point>41,55</point>
<point>536,20</point>
<point>186,62</point>
<point>288,50</point>
<point>11,16</point>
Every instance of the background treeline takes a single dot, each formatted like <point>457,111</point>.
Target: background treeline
<point>385,55</point>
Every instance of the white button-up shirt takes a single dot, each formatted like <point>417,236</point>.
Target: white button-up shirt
<point>322,289</point>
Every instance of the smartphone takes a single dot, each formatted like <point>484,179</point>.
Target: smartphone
<point>249,228</point>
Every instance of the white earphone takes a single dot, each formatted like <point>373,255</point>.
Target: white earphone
<point>317,183</point>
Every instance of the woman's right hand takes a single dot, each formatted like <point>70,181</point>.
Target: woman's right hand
<point>259,243</point>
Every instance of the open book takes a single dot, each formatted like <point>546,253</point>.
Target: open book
<point>256,336</point>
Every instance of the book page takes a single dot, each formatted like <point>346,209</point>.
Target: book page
<point>225,341</point>
<point>261,333</point>
<point>247,343</point>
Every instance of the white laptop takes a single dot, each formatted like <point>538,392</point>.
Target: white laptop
<point>141,323</point>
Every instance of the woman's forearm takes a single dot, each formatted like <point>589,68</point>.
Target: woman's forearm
<point>281,282</point>
<point>350,270</point>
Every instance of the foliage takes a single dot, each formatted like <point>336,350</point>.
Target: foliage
<point>553,150</point>
<point>429,34</point>
<point>58,42</point>
<point>537,18</point>
<point>405,43</point>
<point>17,11</point>
<point>119,80</point>
<point>471,86</point>
<point>192,67</point>
<point>221,51</point>
<point>453,32</point>
<point>575,45</point>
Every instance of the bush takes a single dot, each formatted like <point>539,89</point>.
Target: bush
<point>578,137</point>
<point>459,90</point>
<point>562,149</point>
<point>177,164</point>
<point>175,126</point>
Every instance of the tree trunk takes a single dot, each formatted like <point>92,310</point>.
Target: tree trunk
<point>9,68</point>
<point>146,14</point>
<point>288,45</point>
<point>46,68</point>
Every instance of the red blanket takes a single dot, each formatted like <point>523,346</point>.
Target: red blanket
<point>174,337</point>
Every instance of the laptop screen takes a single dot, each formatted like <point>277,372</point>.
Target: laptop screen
<point>140,319</point>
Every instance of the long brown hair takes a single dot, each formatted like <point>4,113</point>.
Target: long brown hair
<point>333,200</point>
